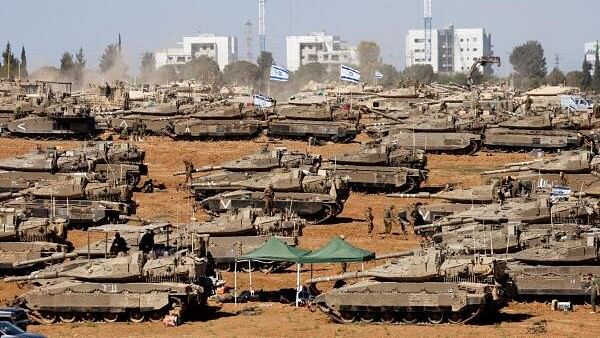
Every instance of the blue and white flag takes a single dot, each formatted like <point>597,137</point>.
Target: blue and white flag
<point>561,191</point>
<point>378,75</point>
<point>572,103</point>
<point>349,74</point>
<point>279,73</point>
<point>262,101</point>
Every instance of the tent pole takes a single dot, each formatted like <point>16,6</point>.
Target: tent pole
<point>250,270</point>
<point>235,282</point>
<point>297,283</point>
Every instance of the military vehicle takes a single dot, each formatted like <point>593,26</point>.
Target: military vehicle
<point>374,154</point>
<point>315,208</point>
<point>427,286</point>
<point>500,138</point>
<point>317,113</point>
<point>30,242</point>
<point>53,126</point>
<point>483,194</point>
<point>568,162</point>
<point>177,283</point>
<point>372,178</point>
<point>213,129</point>
<point>321,130</point>
<point>562,248</point>
<point>440,143</point>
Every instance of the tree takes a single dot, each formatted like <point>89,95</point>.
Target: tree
<point>586,76</point>
<point>67,66</point>
<point>112,62</point>
<point>529,63</point>
<point>390,75</point>
<point>574,78</point>
<point>23,63</point>
<point>419,73</point>
<point>10,64</point>
<point>204,69</point>
<point>264,61</point>
<point>596,78</point>
<point>556,77</point>
<point>147,67</point>
<point>313,71</point>
<point>241,73</point>
<point>368,59</point>
<point>80,62</point>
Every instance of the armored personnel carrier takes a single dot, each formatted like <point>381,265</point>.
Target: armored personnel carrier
<point>53,126</point>
<point>425,287</point>
<point>321,130</point>
<point>500,138</point>
<point>440,143</point>
<point>174,284</point>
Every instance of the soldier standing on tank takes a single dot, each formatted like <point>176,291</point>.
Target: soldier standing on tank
<point>369,219</point>
<point>118,245</point>
<point>594,290</point>
<point>501,196</point>
<point>387,219</point>
<point>268,197</point>
<point>402,224</point>
<point>414,215</point>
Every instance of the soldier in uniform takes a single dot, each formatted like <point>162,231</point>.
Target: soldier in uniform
<point>594,290</point>
<point>414,215</point>
<point>268,197</point>
<point>118,245</point>
<point>189,169</point>
<point>563,180</point>
<point>369,219</point>
<point>402,224</point>
<point>387,219</point>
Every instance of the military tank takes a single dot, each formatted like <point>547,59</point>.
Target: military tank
<point>437,143</point>
<point>335,131</point>
<point>427,286</point>
<point>375,179</point>
<point>57,125</point>
<point>568,162</point>
<point>317,112</point>
<point>315,208</point>
<point>375,154</point>
<point>191,128</point>
<point>103,289</point>
<point>551,140</point>
<point>30,242</point>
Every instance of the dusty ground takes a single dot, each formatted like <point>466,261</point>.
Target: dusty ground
<point>165,157</point>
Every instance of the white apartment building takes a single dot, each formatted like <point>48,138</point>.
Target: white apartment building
<point>318,47</point>
<point>222,49</point>
<point>590,52</point>
<point>452,49</point>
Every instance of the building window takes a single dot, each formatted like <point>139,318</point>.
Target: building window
<point>474,39</point>
<point>462,49</point>
<point>474,49</point>
<point>461,40</point>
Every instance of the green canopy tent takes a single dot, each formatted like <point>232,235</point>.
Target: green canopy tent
<point>273,250</point>
<point>338,250</point>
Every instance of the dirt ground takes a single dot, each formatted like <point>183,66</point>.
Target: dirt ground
<point>275,320</point>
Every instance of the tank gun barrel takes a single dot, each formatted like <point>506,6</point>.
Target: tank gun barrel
<point>417,195</point>
<point>200,170</point>
<point>506,170</point>
<point>434,226</point>
<point>211,184</point>
<point>53,257</point>
<point>394,254</point>
<point>378,113</point>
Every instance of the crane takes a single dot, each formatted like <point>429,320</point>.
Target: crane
<point>482,61</point>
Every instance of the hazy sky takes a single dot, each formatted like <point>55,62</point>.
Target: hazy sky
<point>47,28</point>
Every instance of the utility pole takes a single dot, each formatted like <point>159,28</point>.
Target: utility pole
<point>261,26</point>
<point>427,21</point>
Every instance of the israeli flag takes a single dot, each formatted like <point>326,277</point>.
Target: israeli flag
<point>349,74</point>
<point>279,73</point>
<point>378,75</point>
<point>262,101</point>
<point>572,103</point>
<point>561,191</point>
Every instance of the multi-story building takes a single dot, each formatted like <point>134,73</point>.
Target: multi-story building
<point>318,47</point>
<point>452,49</point>
<point>222,49</point>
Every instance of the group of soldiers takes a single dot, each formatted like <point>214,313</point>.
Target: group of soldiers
<point>412,217</point>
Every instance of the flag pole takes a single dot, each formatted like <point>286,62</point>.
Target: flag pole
<point>269,88</point>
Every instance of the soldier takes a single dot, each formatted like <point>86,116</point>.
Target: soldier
<point>369,219</point>
<point>147,242</point>
<point>594,290</point>
<point>387,219</point>
<point>443,107</point>
<point>402,224</point>
<point>563,180</point>
<point>189,169</point>
<point>501,196</point>
<point>268,197</point>
<point>528,102</point>
<point>118,245</point>
<point>414,215</point>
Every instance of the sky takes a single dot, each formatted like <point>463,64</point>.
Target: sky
<point>47,28</point>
